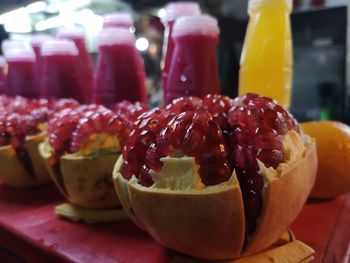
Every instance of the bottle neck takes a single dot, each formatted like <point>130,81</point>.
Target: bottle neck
<point>196,39</point>
<point>271,6</point>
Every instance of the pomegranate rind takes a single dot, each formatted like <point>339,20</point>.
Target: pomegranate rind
<point>205,223</point>
<point>283,199</point>
<point>209,223</point>
<point>12,171</point>
<point>121,188</point>
<point>85,181</point>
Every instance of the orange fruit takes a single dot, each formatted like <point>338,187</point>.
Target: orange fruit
<point>333,150</point>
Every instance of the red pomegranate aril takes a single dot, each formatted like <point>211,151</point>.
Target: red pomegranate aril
<point>141,137</point>
<point>193,140</point>
<point>144,176</point>
<point>130,110</point>
<point>270,157</point>
<point>185,104</point>
<point>219,107</point>
<point>153,156</point>
<point>186,132</point>
<point>214,173</point>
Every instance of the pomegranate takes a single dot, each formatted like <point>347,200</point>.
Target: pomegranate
<point>221,134</point>
<point>185,104</point>
<point>130,110</point>
<point>21,131</point>
<point>81,151</point>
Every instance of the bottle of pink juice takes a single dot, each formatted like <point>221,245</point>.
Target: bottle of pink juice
<point>85,62</point>
<point>2,75</point>
<point>120,73</point>
<point>173,11</point>
<point>62,71</point>
<point>193,69</point>
<point>20,79</point>
<point>37,41</point>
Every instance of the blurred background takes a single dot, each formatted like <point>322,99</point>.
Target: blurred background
<point>320,35</point>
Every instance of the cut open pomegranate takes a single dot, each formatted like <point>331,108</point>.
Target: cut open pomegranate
<point>221,134</point>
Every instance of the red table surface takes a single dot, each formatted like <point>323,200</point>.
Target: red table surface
<point>31,232</point>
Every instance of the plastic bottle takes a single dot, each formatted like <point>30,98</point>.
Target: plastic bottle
<point>120,73</point>
<point>20,78</point>
<point>173,11</point>
<point>3,70</point>
<point>193,70</point>
<point>85,62</point>
<point>37,41</point>
<point>62,71</point>
<point>266,60</point>
<point>123,20</point>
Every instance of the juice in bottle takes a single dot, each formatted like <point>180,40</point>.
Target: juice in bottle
<point>3,70</point>
<point>123,20</point>
<point>85,62</point>
<point>266,60</point>
<point>193,70</point>
<point>62,71</point>
<point>36,42</point>
<point>20,78</point>
<point>173,11</point>
<point>120,73</point>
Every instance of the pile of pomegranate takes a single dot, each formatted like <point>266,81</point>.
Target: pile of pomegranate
<point>223,135</point>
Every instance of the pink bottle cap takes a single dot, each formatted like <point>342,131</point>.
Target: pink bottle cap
<point>71,33</point>
<point>2,62</point>
<point>9,44</point>
<point>59,47</point>
<point>175,10</point>
<point>115,36</point>
<point>118,20</point>
<point>200,24</point>
<point>20,55</point>
<point>38,39</point>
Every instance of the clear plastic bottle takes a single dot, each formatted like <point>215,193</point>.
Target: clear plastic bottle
<point>77,35</point>
<point>62,71</point>
<point>193,70</point>
<point>173,11</point>
<point>120,73</point>
<point>266,60</point>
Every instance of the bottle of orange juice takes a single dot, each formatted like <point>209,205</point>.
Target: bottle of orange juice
<point>266,59</point>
